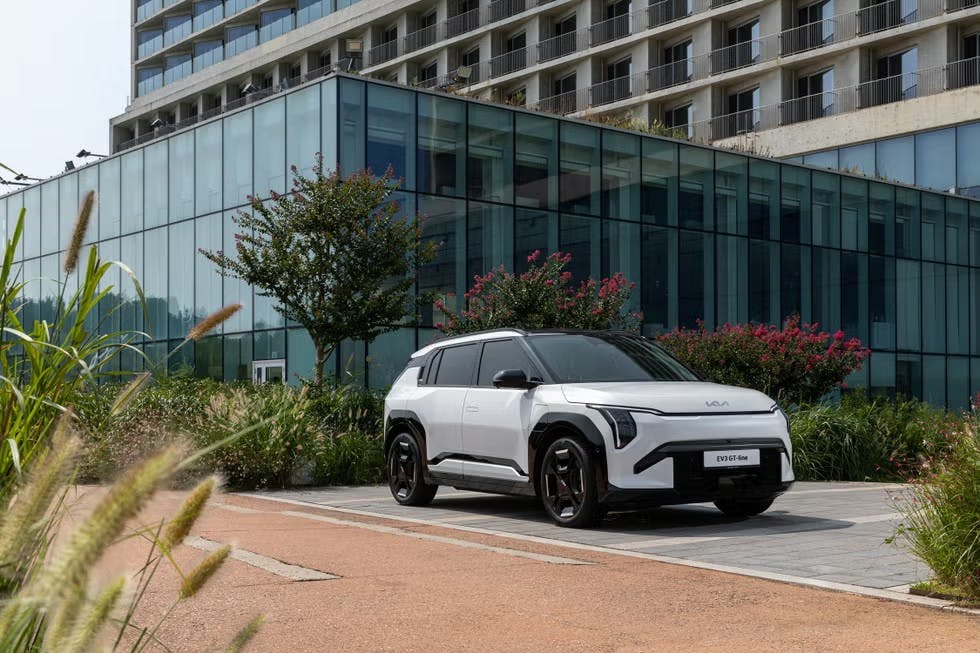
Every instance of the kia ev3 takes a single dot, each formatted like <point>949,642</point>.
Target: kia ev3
<point>585,420</point>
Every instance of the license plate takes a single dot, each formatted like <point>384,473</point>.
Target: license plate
<point>732,458</point>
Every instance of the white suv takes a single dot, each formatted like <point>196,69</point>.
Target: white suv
<point>584,420</point>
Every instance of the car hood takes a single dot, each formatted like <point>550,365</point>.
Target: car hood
<point>684,397</point>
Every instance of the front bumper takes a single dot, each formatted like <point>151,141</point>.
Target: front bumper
<point>692,482</point>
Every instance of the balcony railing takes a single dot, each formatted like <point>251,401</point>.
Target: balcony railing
<point>678,72</point>
<point>668,11</point>
<point>383,52</point>
<point>745,54</point>
<point>818,34</point>
<point>562,45</point>
<point>610,30</point>
<point>929,81</point>
<point>613,90</point>
<point>462,23</point>
<point>502,9</point>
<point>421,38</point>
<point>508,62</point>
<point>562,104</point>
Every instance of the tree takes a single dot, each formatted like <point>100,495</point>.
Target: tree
<point>335,255</point>
<point>542,298</point>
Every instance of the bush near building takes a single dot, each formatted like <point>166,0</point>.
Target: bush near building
<point>796,364</point>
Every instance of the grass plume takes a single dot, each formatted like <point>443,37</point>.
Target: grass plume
<point>246,634</point>
<point>91,621</point>
<point>202,572</point>
<point>211,322</point>
<point>78,235</point>
<point>190,510</point>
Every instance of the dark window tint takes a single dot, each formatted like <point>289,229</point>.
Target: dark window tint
<point>578,358</point>
<point>502,355</point>
<point>456,366</point>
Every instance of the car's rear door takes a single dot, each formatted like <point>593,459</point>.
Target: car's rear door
<point>440,405</point>
<point>496,421</point>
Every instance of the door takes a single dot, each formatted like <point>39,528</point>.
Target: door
<point>269,371</point>
<point>496,421</point>
<point>440,405</point>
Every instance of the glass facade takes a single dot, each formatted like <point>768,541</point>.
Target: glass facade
<point>705,234</point>
<point>941,159</point>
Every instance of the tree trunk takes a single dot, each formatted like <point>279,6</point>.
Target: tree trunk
<point>321,360</point>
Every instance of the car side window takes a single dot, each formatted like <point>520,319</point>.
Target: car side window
<point>502,355</point>
<point>456,365</point>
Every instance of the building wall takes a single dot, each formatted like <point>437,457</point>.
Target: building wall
<point>706,234</point>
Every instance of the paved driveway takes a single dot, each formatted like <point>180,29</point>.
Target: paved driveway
<point>832,532</point>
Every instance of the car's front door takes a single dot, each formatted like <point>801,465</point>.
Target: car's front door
<point>441,405</point>
<point>496,421</point>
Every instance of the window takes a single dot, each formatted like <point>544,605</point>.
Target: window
<point>935,159</point>
<point>442,139</point>
<point>580,169</point>
<point>207,13</point>
<point>176,28</point>
<point>817,27</point>
<point>743,48</point>
<point>501,355</point>
<point>240,38</point>
<point>148,41</point>
<point>456,365</point>
<point>678,65</point>
<point>391,132</point>
<point>577,358</point>
<point>181,161</point>
<point>816,96</point>
<point>679,119</point>
<point>490,170</point>
<point>896,159</point>
<point>275,23</point>
<point>895,79</point>
<point>177,66</point>
<point>621,176</point>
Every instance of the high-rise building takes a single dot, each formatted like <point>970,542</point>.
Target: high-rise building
<point>835,82</point>
<point>706,233</point>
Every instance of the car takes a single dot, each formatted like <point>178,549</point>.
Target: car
<point>587,421</point>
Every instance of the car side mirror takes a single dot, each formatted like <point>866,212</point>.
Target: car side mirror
<point>513,379</point>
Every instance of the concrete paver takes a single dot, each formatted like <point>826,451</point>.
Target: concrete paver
<point>822,531</point>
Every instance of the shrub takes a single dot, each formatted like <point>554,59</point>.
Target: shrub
<point>796,364</point>
<point>861,439</point>
<point>352,458</point>
<point>942,513</point>
<point>542,298</point>
<point>342,408</point>
<point>277,434</point>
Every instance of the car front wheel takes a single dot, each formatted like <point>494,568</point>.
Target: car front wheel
<point>568,486</point>
<point>744,507</point>
<point>405,477</point>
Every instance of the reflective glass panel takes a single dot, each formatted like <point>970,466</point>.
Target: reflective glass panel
<point>48,217</point>
<point>580,169</point>
<point>207,168</point>
<point>794,222</point>
<point>854,295</point>
<point>933,240</point>
<point>109,198</point>
<point>620,175</point>
<point>444,222</point>
<point>957,310</point>
<point>967,164</point>
<point>858,159</point>
<point>32,221</point>
<point>302,130</point>
<point>695,206</point>
<point>881,302</point>
<point>181,176</point>
<point>896,159</point>
<point>270,148</point>
<point>155,191</point>
<point>330,123</point>
<point>131,193</point>
<point>826,209</point>
<point>957,234</point>
<point>731,193</point>
<point>237,159</point>
<point>958,383</point>
<point>826,289</point>
<point>352,130</point>
<point>763,199</point>
<point>490,239</point>
<point>934,306</point>
<point>536,161</point>
<point>85,180</point>
<point>581,238</point>
<point>764,281</point>
<point>155,283</point>
<point>935,159</point>
<point>907,223</point>
<point>534,231</point>
<point>181,279</point>
<point>621,253</point>
<point>388,354</point>
<point>207,280</point>
<point>235,290</point>
<point>391,133</point>
<point>732,284</point>
<point>695,281</point>
<point>881,219</point>
<point>909,288</point>
<point>490,166</point>
<point>658,186</point>
<point>934,380</point>
<point>854,214</point>
<point>441,147</point>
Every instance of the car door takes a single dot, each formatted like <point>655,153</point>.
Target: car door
<point>440,405</point>
<point>496,421</point>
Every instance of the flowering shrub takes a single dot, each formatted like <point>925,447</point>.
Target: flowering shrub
<point>544,297</point>
<point>795,364</point>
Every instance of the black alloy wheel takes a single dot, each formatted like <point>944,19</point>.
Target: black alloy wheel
<point>568,486</point>
<point>405,477</point>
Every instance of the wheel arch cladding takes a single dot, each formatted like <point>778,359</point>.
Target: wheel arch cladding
<point>400,421</point>
<point>552,426</point>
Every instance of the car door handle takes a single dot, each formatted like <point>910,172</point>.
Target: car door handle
<point>472,409</point>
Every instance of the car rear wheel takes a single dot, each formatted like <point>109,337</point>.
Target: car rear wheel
<point>405,477</point>
<point>744,507</point>
<point>567,485</point>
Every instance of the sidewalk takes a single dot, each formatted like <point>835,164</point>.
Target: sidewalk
<point>354,583</point>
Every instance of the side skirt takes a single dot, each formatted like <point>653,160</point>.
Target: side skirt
<point>461,482</point>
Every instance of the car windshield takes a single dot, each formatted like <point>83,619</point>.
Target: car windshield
<point>585,358</point>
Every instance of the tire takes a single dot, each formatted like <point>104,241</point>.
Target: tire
<point>566,485</point>
<point>405,478</point>
<point>744,507</point>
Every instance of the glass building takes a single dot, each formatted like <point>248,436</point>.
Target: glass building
<point>705,233</point>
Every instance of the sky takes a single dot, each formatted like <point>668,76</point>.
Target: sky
<point>64,71</point>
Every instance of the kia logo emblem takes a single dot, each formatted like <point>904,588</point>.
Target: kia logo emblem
<point>715,404</point>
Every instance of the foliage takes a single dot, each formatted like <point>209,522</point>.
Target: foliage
<point>544,297</point>
<point>861,439</point>
<point>352,458</point>
<point>345,408</point>
<point>279,434</point>
<point>334,254</point>
<point>941,512</point>
<point>628,121</point>
<point>796,364</point>
<point>47,601</point>
<point>45,360</point>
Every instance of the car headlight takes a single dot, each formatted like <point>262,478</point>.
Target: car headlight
<point>776,409</point>
<point>621,422</point>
